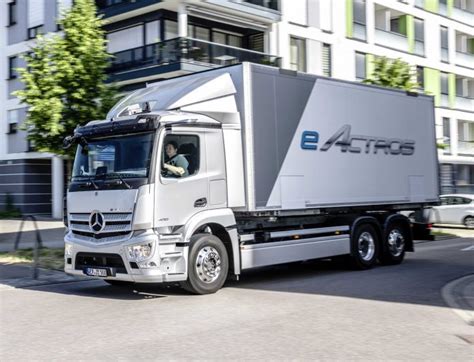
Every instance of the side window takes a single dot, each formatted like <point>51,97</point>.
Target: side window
<point>444,201</point>
<point>457,201</point>
<point>180,157</point>
<point>466,201</point>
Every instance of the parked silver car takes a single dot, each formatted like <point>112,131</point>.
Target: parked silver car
<point>454,209</point>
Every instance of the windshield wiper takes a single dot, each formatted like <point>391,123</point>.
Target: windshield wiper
<point>121,179</point>
<point>91,182</point>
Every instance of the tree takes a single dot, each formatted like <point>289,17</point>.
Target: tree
<point>392,73</point>
<point>65,79</point>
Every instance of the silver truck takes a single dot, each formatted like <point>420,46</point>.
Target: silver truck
<point>197,178</point>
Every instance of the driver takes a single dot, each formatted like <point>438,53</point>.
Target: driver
<point>177,165</point>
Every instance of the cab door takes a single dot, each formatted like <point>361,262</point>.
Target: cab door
<point>180,197</point>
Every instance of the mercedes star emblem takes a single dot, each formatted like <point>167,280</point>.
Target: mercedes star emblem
<point>96,222</point>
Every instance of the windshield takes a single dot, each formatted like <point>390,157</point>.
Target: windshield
<point>115,157</point>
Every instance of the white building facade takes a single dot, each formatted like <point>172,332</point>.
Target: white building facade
<point>153,40</point>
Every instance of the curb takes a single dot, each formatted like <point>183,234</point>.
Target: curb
<point>456,296</point>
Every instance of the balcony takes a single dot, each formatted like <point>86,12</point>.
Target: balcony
<point>182,55</point>
<point>466,148</point>
<point>464,103</point>
<point>464,16</point>
<point>391,39</point>
<point>465,59</point>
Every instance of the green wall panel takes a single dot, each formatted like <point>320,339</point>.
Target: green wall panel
<point>433,84</point>
<point>349,18</point>
<point>432,5</point>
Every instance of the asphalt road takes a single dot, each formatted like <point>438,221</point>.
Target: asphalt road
<point>310,311</point>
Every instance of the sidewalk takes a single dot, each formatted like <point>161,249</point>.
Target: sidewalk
<point>52,233</point>
<point>459,295</point>
<point>21,276</point>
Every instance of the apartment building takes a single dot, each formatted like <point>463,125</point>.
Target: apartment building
<point>153,40</point>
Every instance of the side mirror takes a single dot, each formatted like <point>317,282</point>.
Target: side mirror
<point>67,142</point>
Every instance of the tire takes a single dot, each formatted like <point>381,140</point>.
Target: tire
<point>365,247</point>
<point>469,222</point>
<point>395,240</point>
<point>119,283</point>
<point>208,265</point>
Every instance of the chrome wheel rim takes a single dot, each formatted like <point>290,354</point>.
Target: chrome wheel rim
<point>208,264</point>
<point>396,242</point>
<point>366,246</point>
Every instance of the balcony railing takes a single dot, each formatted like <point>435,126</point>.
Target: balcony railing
<point>186,50</point>
<point>465,59</point>
<point>444,54</point>
<point>419,47</point>
<point>464,103</point>
<point>359,31</point>
<point>391,39</point>
<point>466,147</point>
<point>462,15</point>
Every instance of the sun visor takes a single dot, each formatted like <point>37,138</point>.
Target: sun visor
<point>174,94</point>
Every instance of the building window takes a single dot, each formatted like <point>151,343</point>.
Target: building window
<point>420,77</point>
<point>12,121</point>
<point>12,13</point>
<point>171,29</point>
<point>444,43</point>
<point>298,54</point>
<point>360,66</point>
<point>447,135</point>
<point>419,37</point>
<point>444,83</point>
<point>225,38</point>
<point>327,60</point>
<point>198,32</point>
<point>12,66</point>
<point>35,16</point>
<point>34,32</point>
<point>358,7</point>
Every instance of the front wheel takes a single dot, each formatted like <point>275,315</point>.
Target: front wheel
<point>395,241</point>
<point>208,265</point>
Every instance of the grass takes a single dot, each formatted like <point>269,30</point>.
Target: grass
<point>48,258</point>
<point>440,233</point>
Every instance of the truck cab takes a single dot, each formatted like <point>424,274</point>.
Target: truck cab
<point>127,213</point>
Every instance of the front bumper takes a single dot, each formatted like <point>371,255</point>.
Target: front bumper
<point>169,260</point>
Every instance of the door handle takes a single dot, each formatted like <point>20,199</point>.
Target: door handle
<point>200,202</point>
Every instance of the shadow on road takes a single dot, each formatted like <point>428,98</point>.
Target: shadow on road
<point>418,280</point>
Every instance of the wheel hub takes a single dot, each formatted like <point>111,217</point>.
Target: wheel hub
<point>396,242</point>
<point>208,264</point>
<point>366,246</point>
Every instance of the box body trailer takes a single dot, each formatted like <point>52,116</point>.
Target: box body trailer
<point>199,177</point>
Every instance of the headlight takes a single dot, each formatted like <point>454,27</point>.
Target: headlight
<point>140,252</point>
<point>67,249</point>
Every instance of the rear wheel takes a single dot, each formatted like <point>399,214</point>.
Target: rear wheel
<point>469,222</point>
<point>208,265</point>
<point>365,247</point>
<point>395,241</point>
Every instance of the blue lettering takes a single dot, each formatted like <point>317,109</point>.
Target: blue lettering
<point>309,140</point>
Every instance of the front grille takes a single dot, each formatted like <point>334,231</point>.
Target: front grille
<point>85,260</point>
<point>117,226</point>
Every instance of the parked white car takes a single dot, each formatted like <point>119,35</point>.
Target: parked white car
<point>454,209</point>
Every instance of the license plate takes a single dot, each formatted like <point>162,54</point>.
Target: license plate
<point>95,272</point>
